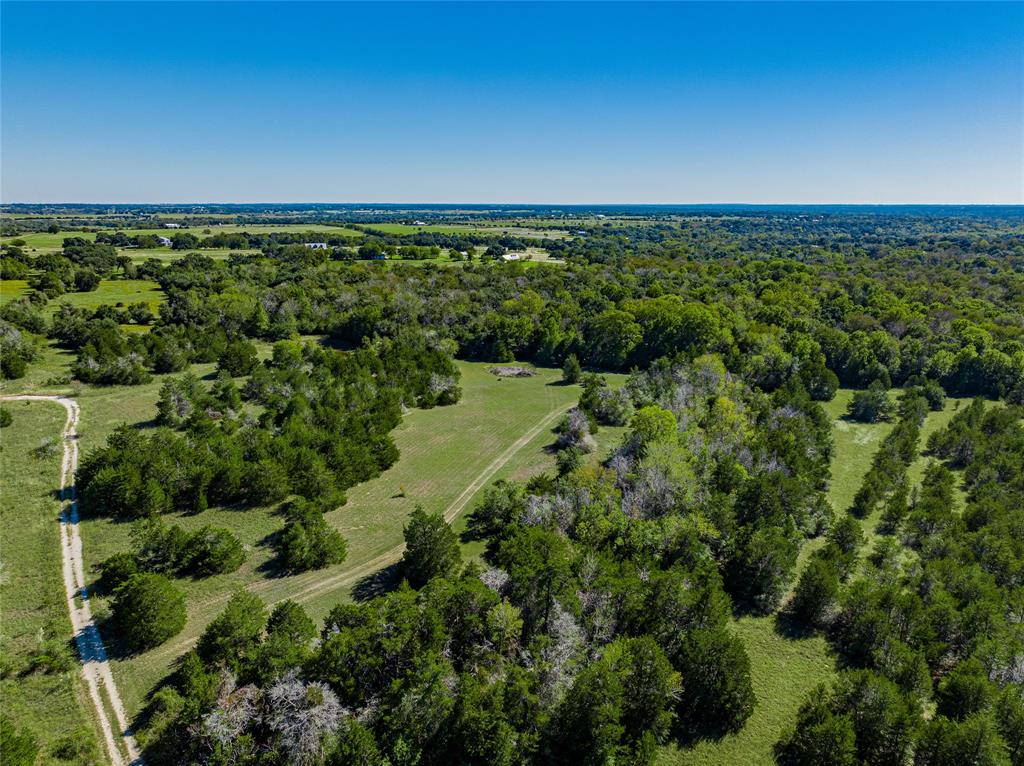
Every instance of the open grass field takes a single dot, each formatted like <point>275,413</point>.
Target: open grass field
<point>448,456</point>
<point>462,228</point>
<point>113,292</point>
<point>110,292</point>
<point>12,289</point>
<point>166,255</point>
<point>33,612</point>
<point>267,228</point>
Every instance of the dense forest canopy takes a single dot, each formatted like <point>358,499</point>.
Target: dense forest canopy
<point>596,625</point>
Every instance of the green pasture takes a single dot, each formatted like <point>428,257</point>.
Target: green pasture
<point>500,429</point>
<point>465,228</point>
<point>12,289</point>
<point>785,669</point>
<point>53,703</point>
<point>114,292</point>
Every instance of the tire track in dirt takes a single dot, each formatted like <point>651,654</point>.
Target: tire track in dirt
<point>95,667</point>
<point>392,555</point>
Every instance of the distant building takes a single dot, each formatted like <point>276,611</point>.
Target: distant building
<point>511,256</point>
<point>172,225</point>
<point>418,223</point>
<point>164,241</point>
<point>316,245</point>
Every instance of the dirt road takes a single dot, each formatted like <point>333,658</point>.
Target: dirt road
<point>121,746</point>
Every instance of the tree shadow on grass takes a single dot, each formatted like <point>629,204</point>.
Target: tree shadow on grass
<point>788,626</point>
<point>377,584</point>
<point>272,568</point>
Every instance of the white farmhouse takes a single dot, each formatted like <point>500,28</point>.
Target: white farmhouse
<point>316,245</point>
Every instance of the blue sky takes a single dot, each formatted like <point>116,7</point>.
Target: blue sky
<point>518,102</point>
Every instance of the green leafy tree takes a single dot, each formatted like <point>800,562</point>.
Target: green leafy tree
<point>238,358</point>
<point>872,405</point>
<point>817,593</point>
<point>571,370</point>
<point>235,633</point>
<point>974,741</point>
<point>148,609</point>
<point>820,737</point>
<point>308,541</point>
<point>718,695</point>
<point>431,548</point>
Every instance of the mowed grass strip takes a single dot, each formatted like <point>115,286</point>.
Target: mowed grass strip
<point>33,613</point>
<point>785,670</point>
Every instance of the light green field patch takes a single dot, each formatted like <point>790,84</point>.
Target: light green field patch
<point>464,228</point>
<point>166,255</point>
<point>12,289</point>
<point>114,292</point>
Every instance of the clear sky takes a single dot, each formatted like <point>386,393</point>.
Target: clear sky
<point>518,102</point>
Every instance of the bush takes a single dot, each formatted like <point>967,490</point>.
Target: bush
<point>238,358</point>
<point>76,746</point>
<point>571,370</point>
<point>5,417</point>
<point>18,746</point>
<point>12,366</point>
<point>816,593</point>
<point>116,570</point>
<point>148,610</point>
<point>235,632</point>
<point>569,460</point>
<point>717,695</point>
<point>212,551</point>
<point>52,656</point>
<point>872,405</point>
<point>308,541</point>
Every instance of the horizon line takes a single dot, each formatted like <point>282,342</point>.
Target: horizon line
<point>519,203</point>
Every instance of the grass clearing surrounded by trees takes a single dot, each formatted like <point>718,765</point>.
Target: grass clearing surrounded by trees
<point>113,292</point>
<point>444,451</point>
<point>785,670</point>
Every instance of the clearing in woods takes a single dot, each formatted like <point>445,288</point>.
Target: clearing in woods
<point>785,670</point>
<point>448,456</point>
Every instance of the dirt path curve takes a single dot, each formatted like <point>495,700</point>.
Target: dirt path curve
<point>350,576</point>
<point>95,668</point>
<point>453,510</point>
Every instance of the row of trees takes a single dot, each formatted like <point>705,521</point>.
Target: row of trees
<point>927,619</point>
